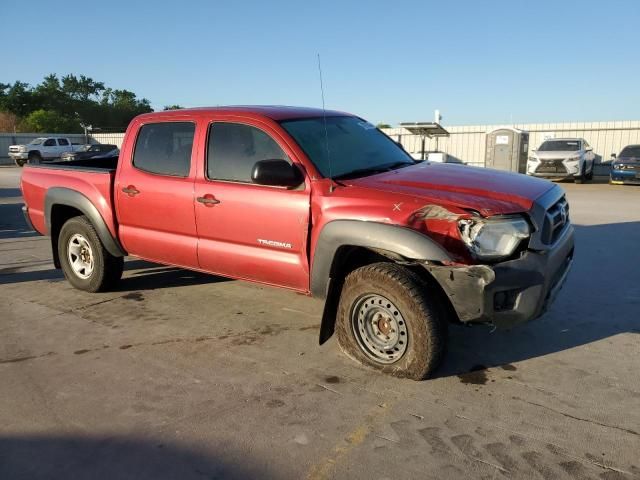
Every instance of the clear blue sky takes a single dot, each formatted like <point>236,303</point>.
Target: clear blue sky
<point>477,61</point>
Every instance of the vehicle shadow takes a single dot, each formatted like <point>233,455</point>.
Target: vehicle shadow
<point>600,299</point>
<point>139,275</point>
<point>12,222</point>
<point>112,457</point>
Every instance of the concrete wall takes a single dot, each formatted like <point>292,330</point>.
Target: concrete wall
<point>467,143</point>
<point>7,139</point>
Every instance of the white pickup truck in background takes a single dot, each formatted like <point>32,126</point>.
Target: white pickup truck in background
<point>41,149</point>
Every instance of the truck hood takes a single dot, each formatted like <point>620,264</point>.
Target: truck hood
<point>487,191</point>
<point>556,154</point>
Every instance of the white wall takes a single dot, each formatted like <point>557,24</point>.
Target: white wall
<point>467,143</point>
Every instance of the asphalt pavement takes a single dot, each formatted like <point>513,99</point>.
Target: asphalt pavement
<point>183,375</point>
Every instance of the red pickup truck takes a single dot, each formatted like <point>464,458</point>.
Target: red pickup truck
<point>320,202</point>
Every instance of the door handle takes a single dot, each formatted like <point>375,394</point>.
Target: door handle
<point>131,190</point>
<point>208,200</point>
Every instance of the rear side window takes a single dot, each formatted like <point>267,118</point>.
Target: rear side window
<point>235,148</point>
<point>165,148</point>
<point>63,141</point>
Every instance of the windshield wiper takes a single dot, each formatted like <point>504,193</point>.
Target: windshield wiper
<point>363,172</point>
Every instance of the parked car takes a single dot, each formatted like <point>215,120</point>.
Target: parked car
<point>563,158</point>
<point>90,151</point>
<point>321,203</point>
<point>41,149</point>
<point>625,168</point>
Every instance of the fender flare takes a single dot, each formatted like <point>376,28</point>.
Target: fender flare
<point>72,198</point>
<point>401,241</point>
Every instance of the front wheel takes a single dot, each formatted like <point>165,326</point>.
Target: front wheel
<point>86,264</point>
<point>589,175</point>
<point>34,158</point>
<point>388,321</point>
<point>582,176</point>
<point>20,162</point>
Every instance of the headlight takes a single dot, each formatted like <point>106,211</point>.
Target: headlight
<point>573,159</point>
<point>490,239</point>
<point>22,148</point>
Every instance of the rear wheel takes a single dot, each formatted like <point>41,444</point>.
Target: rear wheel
<point>86,264</point>
<point>387,320</point>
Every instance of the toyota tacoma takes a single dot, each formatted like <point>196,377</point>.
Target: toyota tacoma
<point>319,202</point>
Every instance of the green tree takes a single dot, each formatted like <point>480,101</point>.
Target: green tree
<point>172,107</point>
<point>383,125</point>
<point>71,100</point>
<point>49,121</point>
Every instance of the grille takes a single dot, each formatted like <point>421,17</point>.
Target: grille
<point>556,218</point>
<point>551,166</point>
<point>14,149</point>
<point>634,167</point>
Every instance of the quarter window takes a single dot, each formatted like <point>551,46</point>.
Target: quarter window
<point>165,148</point>
<point>235,148</point>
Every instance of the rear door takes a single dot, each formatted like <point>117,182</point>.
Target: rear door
<point>63,146</point>
<point>49,148</point>
<point>246,230</point>
<point>154,192</point>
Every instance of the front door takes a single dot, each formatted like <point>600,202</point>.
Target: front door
<point>245,230</point>
<point>154,192</point>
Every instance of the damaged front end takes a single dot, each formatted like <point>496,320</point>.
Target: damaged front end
<point>495,277</point>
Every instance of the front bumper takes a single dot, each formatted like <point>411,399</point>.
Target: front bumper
<point>19,155</point>
<point>620,177</point>
<point>511,292</point>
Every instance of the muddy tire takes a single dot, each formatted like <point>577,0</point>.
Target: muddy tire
<point>20,162</point>
<point>86,264</point>
<point>390,321</point>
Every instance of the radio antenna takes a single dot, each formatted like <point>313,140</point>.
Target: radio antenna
<point>326,133</point>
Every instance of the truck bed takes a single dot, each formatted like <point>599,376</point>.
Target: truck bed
<point>93,178</point>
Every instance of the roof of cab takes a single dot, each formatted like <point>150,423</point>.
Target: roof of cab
<point>274,112</point>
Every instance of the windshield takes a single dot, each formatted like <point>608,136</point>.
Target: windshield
<point>37,141</point>
<point>560,146</point>
<point>355,146</point>
<point>631,152</point>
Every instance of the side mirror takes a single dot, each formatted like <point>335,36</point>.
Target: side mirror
<point>588,149</point>
<point>613,155</point>
<point>276,173</point>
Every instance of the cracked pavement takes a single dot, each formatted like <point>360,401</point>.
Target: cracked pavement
<point>183,375</point>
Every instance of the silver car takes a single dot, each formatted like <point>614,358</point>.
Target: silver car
<point>562,158</point>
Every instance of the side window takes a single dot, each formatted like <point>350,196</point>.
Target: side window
<point>49,142</point>
<point>63,142</point>
<point>165,148</point>
<point>234,149</point>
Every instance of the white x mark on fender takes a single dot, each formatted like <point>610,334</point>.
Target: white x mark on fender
<point>396,206</point>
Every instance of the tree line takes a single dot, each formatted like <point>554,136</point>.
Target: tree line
<point>65,104</point>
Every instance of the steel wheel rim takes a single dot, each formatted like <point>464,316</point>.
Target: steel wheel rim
<point>379,328</point>
<point>80,256</point>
